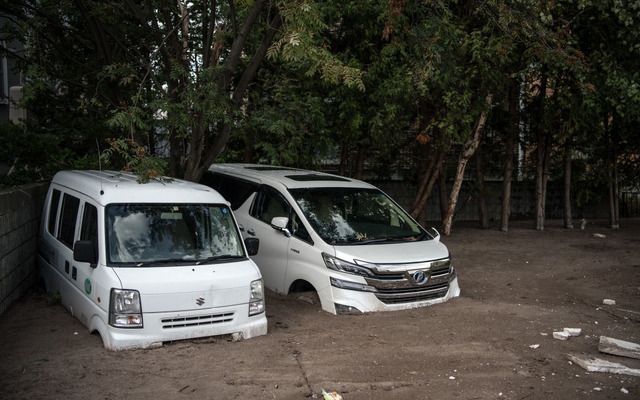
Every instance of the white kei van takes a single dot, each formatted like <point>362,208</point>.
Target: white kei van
<point>144,264</point>
<point>341,237</point>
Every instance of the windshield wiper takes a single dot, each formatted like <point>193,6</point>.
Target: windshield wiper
<point>166,261</point>
<point>380,240</point>
<point>213,259</point>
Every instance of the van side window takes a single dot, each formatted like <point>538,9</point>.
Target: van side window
<point>235,191</point>
<point>269,204</point>
<point>89,229</point>
<point>53,211</point>
<point>297,229</point>
<point>68,216</point>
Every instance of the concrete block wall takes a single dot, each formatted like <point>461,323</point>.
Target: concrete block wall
<point>20,211</point>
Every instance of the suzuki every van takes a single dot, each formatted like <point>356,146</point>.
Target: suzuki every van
<point>341,237</point>
<point>144,264</point>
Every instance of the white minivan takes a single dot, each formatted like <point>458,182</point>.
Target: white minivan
<point>343,238</point>
<point>144,264</point>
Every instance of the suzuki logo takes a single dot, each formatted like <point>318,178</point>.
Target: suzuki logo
<point>199,301</point>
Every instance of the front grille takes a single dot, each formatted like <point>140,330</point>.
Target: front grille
<point>429,292</point>
<point>199,320</point>
<point>395,283</point>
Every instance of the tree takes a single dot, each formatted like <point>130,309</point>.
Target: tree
<point>176,73</point>
<point>469,148</point>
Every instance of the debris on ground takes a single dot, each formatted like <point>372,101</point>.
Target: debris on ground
<point>566,333</point>
<point>619,347</point>
<point>331,396</point>
<point>593,364</point>
<point>573,331</point>
<point>609,302</point>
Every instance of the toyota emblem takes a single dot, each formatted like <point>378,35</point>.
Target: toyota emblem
<point>420,277</point>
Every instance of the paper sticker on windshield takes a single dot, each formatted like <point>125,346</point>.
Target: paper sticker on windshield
<point>225,211</point>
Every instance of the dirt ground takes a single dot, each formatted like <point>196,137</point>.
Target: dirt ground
<point>495,341</point>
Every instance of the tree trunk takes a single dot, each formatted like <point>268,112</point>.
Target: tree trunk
<point>546,171</point>
<point>540,161</point>
<point>344,159</point>
<point>442,191</point>
<point>424,176</point>
<point>250,138</point>
<point>470,147</point>
<point>612,170</point>
<point>430,178</point>
<point>568,222</point>
<point>197,166</point>
<point>509,147</point>
<point>360,162</point>
<point>483,216</point>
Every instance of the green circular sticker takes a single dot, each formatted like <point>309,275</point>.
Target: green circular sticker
<point>87,286</point>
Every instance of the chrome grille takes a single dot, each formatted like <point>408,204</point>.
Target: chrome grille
<point>395,283</point>
<point>184,322</point>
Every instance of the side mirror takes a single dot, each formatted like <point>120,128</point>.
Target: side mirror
<point>252,244</point>
<point>280,224</point>
<point>434,232</point>
<point>85,251</point>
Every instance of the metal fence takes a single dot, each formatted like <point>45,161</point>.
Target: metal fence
<point>630,205</point>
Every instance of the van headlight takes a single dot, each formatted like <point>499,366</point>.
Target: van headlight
<point>125,310</point>
<point>256,300</point>
<point>337,264</point>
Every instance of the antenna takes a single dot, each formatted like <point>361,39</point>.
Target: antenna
<point>99,165</point>
<point>99,161</point>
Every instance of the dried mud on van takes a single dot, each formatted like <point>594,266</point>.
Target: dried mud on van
<point>495,341</point>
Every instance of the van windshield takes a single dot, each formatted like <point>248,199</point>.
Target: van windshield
<point>171,234</point>
<point>356,216</point>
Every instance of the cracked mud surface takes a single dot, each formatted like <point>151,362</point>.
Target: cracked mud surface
<point>517,289</point>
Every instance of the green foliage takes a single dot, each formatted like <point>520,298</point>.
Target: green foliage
<point>34,156</point>
<point>128,156</point>
<point>303,21</point>
<point>391,79</point>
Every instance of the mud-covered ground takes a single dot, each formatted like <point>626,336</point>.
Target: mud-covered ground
<point>493,342</point>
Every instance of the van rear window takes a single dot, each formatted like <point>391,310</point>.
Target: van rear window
<point>53,211</point>
<point>68,217</point>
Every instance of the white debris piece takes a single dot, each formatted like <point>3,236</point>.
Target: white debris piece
<point>609,302</point>
<point>593,364</point>
<point>619,347</point>
<point>599,235</point>
<point>625,391</point>
<point>534,346</point>
<point>573,331</point>
<point>561,335</point>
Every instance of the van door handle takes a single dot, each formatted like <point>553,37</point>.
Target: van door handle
<point>251,232</point>
<point>241,227</point>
